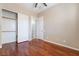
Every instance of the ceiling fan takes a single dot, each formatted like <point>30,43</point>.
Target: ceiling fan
<point>44,4</point>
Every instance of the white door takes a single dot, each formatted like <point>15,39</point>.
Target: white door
<point>8,30</point>
<point>40,28</point>
<point>33,27</point>
<point>23,27</point>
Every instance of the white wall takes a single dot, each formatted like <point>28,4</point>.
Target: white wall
<point>61,24</point>
<point>0,24</point>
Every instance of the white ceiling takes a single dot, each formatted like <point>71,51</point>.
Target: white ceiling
<point>30,6</point>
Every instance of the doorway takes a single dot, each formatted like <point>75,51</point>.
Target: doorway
<point>37,27</point>
<point>8,26</point>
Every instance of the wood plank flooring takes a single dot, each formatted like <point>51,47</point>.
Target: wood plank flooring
<point>36,47</point>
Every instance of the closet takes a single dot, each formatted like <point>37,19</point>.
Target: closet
<point>8,26</point>
<point>18,27</point>
<point>14,27</point>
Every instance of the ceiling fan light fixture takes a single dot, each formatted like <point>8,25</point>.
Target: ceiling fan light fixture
<point>40,5</point>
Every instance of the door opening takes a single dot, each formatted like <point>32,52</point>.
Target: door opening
<point>8,26</point>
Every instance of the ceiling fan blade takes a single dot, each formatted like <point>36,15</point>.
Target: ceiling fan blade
<point>36,4</point>
<point>45,4</point>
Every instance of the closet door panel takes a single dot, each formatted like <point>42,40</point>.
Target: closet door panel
<point>8,37</point>
<point>23,27</point>
<point>8,25</point>
<point>8,30</point>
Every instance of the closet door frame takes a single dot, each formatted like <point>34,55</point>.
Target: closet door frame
<point>16,29</point>
<point>16,23</point>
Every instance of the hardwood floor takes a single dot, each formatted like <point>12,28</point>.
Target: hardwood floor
<point>36,47</point>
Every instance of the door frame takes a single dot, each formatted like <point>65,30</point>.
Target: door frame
<point>16,23</point>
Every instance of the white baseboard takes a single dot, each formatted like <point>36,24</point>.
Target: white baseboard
<point>23,41</point>
<point>62,45</point>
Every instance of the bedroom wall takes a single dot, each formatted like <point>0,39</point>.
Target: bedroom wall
<point>0,26</point>
<point>61,24</point>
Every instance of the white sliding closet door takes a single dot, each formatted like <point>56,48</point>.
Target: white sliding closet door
<point>8,30</point>
<point>23,27</point>
<point>8,26</point>
<point>40,28</point>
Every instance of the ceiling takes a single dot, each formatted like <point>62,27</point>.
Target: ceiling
<point>30,6</point>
